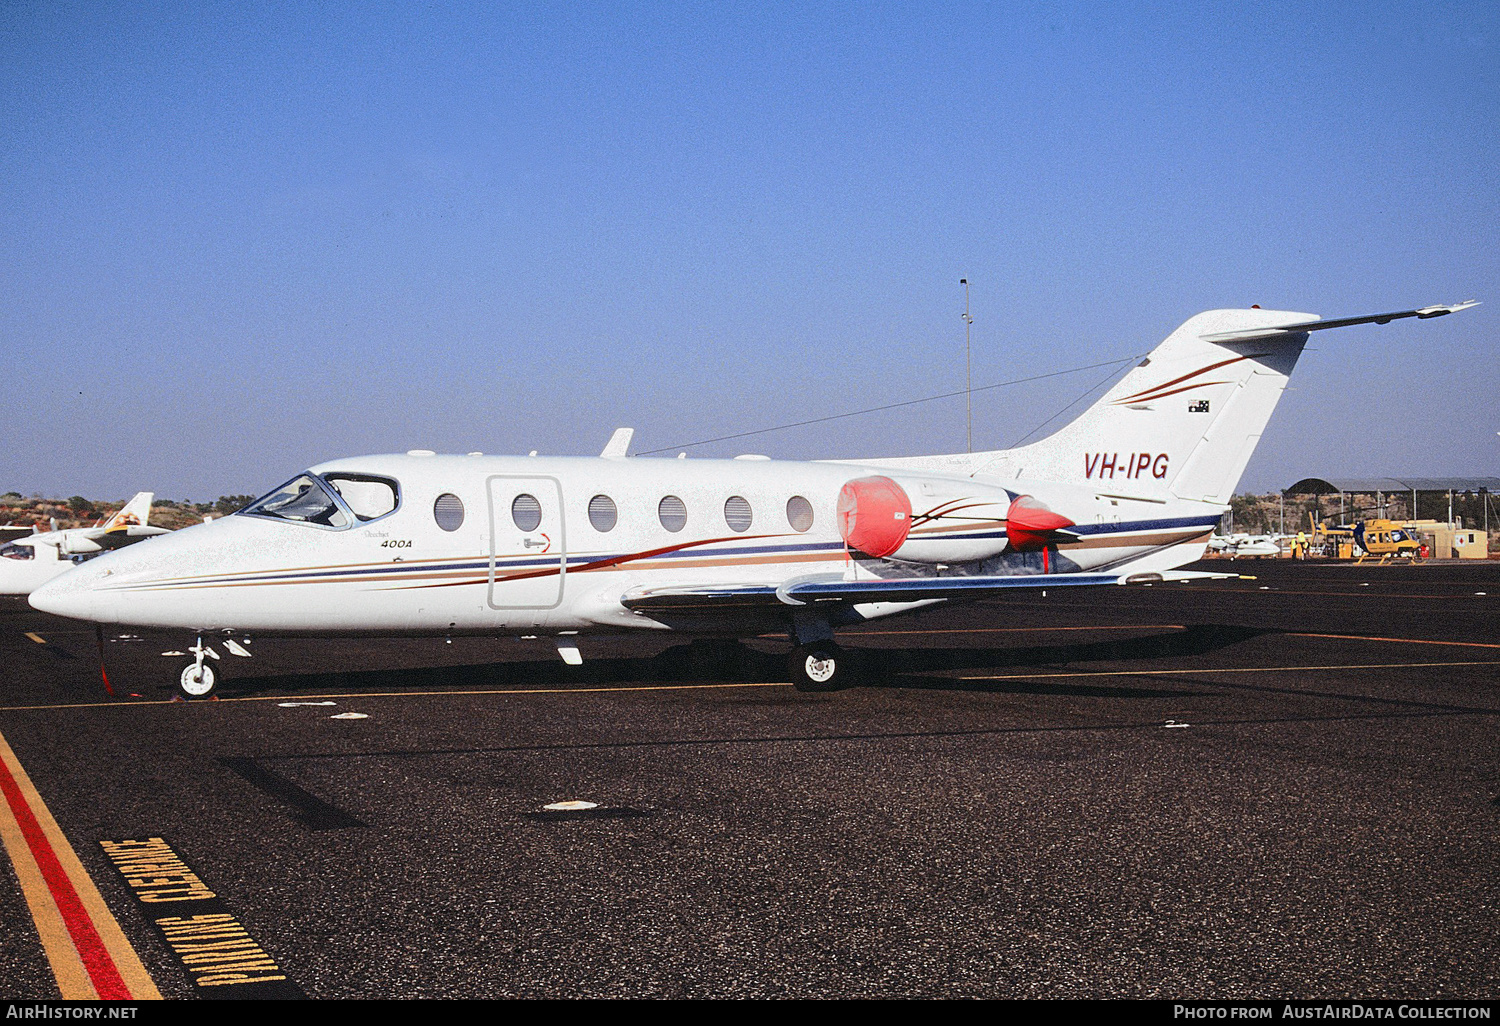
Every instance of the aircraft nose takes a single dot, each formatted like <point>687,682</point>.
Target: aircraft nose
<point>70,594</point>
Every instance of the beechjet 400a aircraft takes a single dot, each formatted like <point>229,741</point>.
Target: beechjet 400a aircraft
<point>422,544</point>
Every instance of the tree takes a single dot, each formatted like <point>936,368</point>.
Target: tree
<point>228,504</point>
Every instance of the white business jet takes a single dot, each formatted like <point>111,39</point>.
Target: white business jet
<point>422,544</point>
<point>31,561</point>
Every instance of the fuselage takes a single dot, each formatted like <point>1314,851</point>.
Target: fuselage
<point>29,562</point>
<point>429,544</point>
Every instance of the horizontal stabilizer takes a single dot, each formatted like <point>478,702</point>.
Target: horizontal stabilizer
<point>1276,331</point>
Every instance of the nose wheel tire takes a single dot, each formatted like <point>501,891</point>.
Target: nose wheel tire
<point>819,667</point>
<point>198,679</point>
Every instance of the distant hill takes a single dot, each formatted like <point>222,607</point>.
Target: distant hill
<point>78,511</point>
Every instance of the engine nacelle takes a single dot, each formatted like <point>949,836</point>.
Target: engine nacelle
<point>954,521</point>
<point>874,515</point>
<point>950,521</point>
<point>923,520</point>
<point>74,545</point>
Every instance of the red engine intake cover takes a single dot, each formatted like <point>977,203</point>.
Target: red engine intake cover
<point>874,515</point>
<point>1029,524</point>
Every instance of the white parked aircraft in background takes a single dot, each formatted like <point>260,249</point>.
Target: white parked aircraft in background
<point>34,559</point>
<point>1242,544</point>
<point>444,545</point>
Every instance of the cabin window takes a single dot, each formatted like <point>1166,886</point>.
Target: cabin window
<point>448,511</point>
<point>672,512</point>
<point>367,497</point>
<point>737,513</point>
<point>526,512</point>
<point>302,500</point>
<point>15,550</point>
<point>602,513</point>
<point>799,513</point>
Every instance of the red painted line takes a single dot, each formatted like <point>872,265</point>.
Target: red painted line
<point>103,973</point>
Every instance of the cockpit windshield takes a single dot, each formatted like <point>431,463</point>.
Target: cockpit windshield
<point>15,550</point>
<point>368,497</point>
<point>302,500</point>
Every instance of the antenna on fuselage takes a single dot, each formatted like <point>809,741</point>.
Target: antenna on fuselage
<point>618,446</point>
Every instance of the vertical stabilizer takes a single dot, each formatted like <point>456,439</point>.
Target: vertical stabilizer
<point>1181,424</point>
<point>134,513</point>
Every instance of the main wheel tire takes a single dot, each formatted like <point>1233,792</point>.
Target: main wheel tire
<point>821,666</point>
<point>198,681</point>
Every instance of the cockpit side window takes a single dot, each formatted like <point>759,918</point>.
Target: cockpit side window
<point>302,500</point>
<point>15,550</point>
<point>368,497</point>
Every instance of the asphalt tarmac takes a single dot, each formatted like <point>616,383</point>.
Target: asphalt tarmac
<point>1283,787</point>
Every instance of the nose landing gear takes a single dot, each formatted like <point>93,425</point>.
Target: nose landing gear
<point>199,678</point>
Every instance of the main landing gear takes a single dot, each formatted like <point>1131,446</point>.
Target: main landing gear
<point>819,666</point>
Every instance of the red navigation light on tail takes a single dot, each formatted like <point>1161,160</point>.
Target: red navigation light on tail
<point>874,515</point>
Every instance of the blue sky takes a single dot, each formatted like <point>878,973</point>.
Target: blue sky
<point>242,239</point>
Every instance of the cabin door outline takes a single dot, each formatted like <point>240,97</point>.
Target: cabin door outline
<point>547,545</point>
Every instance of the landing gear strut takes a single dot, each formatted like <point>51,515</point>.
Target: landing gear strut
<point>199,677</point>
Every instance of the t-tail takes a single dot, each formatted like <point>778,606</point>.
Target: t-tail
<point>1184,422</point>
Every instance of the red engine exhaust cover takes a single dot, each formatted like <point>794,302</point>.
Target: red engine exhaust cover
<point>1030,525</point>
<point>874,515</point>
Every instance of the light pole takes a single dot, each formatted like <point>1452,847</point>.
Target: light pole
<point>968,369</point>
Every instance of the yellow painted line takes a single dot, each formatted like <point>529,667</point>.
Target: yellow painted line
<point>411,694</point>
<point>1285,590</point>
<point>293,697</point>
<point>1403,641</point>
<point>36,638</point>
<point>1011,630</point>
<point>1229,669</point>
<point>89,955</point>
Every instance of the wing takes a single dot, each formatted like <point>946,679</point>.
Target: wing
<point>117,536</point>
<point>114,537</point>
<point>802,591</point>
